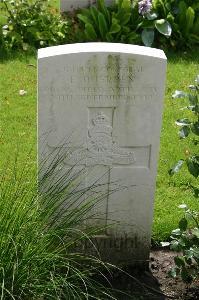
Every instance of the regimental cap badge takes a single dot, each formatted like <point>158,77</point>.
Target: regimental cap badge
<point>101,123</point>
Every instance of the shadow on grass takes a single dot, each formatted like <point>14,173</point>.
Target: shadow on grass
<point>17,54</point>
<point>188,56</point>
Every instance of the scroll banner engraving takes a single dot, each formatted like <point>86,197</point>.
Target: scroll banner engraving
<point>100,149</point>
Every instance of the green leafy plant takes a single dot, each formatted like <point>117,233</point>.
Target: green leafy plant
<point>152,24</point>
<point>32,23</point>
<point>41,232</point>
<point>110,24</point>
<point>189,127</point>
<point>185,240</point>
<point>123,22</point>
<point>184,19</point>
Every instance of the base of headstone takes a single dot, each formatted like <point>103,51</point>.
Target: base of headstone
<point>118,251</point>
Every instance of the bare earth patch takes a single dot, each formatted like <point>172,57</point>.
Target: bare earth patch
<point>154,284</point>
<point>161,262</point>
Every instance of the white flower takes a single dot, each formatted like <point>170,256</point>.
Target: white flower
<point>22,92</point>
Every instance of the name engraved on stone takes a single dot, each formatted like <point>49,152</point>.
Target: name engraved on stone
<point>100,149</point>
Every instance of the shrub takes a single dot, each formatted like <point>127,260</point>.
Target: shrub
<point>32,23</point>
<point>159,23</point>
<point>184,19</point>
<point>185,240</point>
<point>123,22</point>
<point>111,24</point>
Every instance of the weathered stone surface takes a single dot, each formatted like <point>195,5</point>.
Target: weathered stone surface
<point>107,99</point>
<point>69,5</point>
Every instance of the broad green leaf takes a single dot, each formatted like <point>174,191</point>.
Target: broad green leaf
<point>165,244</point>
<point>195,28</point>
<point>182,242</point>
<point>189,253</point>
<point>176,168</point>
<point>196,191</point>
<point>195,128</point>
<point>83,18</point>
<point>183,224</point>
<point>188,215</point>
<point>179,94</point>
<point>126,29</point>
<point>103,9</point>
<point>196,252</point>
<point>195,232</point>
<point>179,261</point>
<point>103,26</point>
<point>133,36</point>
<point>168,5</point>
<point>25,46</point>
<point>164,27</point>
<point>192,107</point>
<point>183,122</point>
<point>146,24</point>
<point>115,27</point>
<point>193,165</point>
<point>123,17</point>
<point>85,12</point>
<point>176,232</point>
<point>90,32</point>
<point>11,27</point>
<point>194,37</point>
<point>151,16</point>
<point>175,246</point>
<point>170,18</point>
<point>185,275</point>
<point>126,4</point>
<point>172,273</point>
<point>94,13</point>
<point>184,132</point>
<point>193,99</point>
<point>190,16</point>
<point>148,37</point>
<point>181,17</point>
<point>5,27</point>
<point>109,37</point>
<point>192,87</point>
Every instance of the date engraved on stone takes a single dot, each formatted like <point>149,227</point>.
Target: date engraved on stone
<point>100,149</point>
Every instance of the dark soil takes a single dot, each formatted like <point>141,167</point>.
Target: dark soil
<point>154,284</point>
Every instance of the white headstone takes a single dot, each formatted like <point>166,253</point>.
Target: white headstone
<point>70,5</point>
<point>112,95</point>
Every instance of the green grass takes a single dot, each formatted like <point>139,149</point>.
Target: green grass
<point>172,191</point>
<point>40,233</point>
<point>18,130</point>
<point>18,113</point>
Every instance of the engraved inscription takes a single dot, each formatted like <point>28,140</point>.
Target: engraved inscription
<point>101,149</point>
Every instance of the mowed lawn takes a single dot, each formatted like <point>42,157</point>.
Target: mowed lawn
<point>18,131</point>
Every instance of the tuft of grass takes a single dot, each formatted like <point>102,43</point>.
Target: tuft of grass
<point>41,231</point>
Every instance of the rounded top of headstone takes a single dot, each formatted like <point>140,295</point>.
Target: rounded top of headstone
<point>100,48</point>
